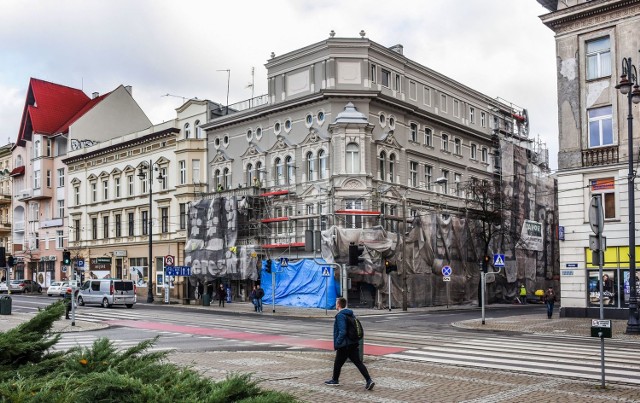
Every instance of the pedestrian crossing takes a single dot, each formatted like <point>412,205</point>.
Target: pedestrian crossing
<point>578,358</point>
<point>97,315</point>
<point>86,340</point>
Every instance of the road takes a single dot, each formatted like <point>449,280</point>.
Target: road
<point>413,336</point>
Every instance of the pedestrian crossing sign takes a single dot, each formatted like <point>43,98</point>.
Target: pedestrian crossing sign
<point>326,271</point>
<point>498,260</point>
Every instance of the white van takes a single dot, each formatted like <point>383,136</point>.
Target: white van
<point>108,292</point>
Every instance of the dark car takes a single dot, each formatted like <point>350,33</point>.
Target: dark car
<point>24,286</point>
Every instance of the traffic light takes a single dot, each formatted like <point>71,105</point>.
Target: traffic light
<point>485,264</point>
<point>3,257</point>
<point>268,266</point>
<point>10,261</point>
<point>353,254</point>
<point>66,258</point>
<point>389,267</point>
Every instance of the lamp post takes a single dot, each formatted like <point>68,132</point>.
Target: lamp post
<point>628,80</point>
<point>145,173</point>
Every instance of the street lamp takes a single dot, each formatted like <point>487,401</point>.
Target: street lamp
<point>142,174</point>
<point>628,80</point>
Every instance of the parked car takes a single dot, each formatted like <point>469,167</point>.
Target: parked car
<point>24,286</point>
<point>57,288</point>
<point>3,287</point>
<point>108,292</point>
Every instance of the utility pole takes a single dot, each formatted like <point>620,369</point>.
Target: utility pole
<point>404,253</point>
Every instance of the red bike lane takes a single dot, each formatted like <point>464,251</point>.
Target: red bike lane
<point>369,349</point>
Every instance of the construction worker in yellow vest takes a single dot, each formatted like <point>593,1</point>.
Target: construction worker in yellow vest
<point>523,294</point>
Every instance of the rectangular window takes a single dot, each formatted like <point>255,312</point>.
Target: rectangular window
<point>483,119</point>
<point>195,165</point>
<point>163,178</point>
<point>414,132</point>
<point>413,91</point>
<point>59,239</point>
<point>130,224</point>
<point>145,223</point>
<point>457,179</point>
<point>598,58</point>
<point>118,218</point>
<point>484,154</point>
<point>105,190</point>
<point>353,221</point>
<point>457,146</point>
<point>94,228</point>
<point>413,173</point>
<point>61,177</point>
<point>143,185</point>
<point>94,192</point>
<point>130,185</point>
<point>474,152</point>
<point>76,195</point>
<point>443,103</point>
<point>385,77</point>
<point>372,73</point>
<point>396,85</point>
<point>426,96</point>
<point>61,208</point>
<point>164,215</point>
<point>428,137</point>
<point>105,227</point>
<point>428,176</point>
<point>76,230</point>
<point>444,185</point>
<point>605,187</point>
<point>183,215</point>
<point>456,108</point>
<point>472,114</point>
<point>49,178</point>
<point>445,142</point>
<point>600,127</point>
<point>36,179</point>
<point>48,148</point>
<point>116,182</point>
<point>183,172</point>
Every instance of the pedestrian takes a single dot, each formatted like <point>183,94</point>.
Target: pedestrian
<point>252,297</point>
<point>346,348</point>
<point>549,300</point>
<point>67,302</point>
<point>222,295</point>
<point>523,294</point>
<point>200,290</point>
<point>210,291</point>
<point>259,296</point>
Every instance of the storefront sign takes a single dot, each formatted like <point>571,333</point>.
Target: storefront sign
<point>100,263</point>
<point>602,184</point>
<point>120,253</point>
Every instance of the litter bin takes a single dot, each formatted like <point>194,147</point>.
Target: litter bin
<point>5,305</point>
<point>206,300</point>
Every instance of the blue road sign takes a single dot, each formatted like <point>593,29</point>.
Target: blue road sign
<point>177,270</point>
<point>80,263</point>
<point>446,271</point>
<point>498,260</point>
<point>326,271</point>
<point>284,262</point>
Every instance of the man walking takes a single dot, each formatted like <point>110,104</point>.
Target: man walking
<point>259,296</point>
<point>344,347</point>
<point>549,300</point>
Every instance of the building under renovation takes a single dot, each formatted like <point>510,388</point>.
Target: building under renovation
<point>357,145</point>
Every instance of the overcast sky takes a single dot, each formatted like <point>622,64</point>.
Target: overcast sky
<point>498,47</point>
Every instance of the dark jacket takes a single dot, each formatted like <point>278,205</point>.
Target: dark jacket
<point>549,297</point>
<point>222,293</point>
<point>259,293</point>
<point>340,324</point>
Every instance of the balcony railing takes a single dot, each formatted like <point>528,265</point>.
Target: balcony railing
<point>600,156</point>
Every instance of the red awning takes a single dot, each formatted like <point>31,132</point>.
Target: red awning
<point>17,171</point>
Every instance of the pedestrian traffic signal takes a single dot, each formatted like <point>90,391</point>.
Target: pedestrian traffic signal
<point>389,267</point>
<point>268,266</point>
<point>66,258</point>
<point>3,257</point>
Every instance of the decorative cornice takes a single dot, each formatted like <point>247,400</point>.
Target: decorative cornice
<point>590,14</point>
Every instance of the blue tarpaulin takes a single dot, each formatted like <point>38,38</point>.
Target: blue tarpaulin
<point>300,284</point>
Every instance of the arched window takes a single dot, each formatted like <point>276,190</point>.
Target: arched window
<point>216,178</point>
<point>249,177</point>
<point>392,165</point>
<point>353,158</point>
<point>187,131</point>
<point>279,171</point>
<point>382,165</point>
<point>323,165</point>
<point>196,124</point>
<point>311,166</point>
<point>291,170</point>
<point>259,171</point>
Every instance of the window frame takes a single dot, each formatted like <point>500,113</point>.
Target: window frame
<point>352,158</point>
<point>600,64</point>
<point>600,120</point>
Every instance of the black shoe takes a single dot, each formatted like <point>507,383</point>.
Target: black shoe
<point>370,384</point>
<point>331,382</point>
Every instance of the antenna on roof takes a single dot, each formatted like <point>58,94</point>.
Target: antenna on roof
<point>184,99</point>
<point>251,84</point>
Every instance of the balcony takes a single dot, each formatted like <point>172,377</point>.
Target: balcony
<point>18,226</point>
<point>5,227</point>
<point>600,156</point>
<point>24,194</point>
<point>5,199</point>
<point>56,222</point>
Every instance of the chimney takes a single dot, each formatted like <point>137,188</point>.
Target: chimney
<point>95,95</point>
<point>397,48</point>
<point>129,89</point>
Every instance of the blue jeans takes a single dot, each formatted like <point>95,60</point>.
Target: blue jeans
<point>549,309</point>
<point>259,304</point>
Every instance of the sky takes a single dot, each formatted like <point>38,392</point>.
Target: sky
<point>169,51</point>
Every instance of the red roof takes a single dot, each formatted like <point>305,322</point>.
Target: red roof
<point>49,107</point>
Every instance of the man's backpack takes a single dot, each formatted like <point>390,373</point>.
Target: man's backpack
<point>355,332</point>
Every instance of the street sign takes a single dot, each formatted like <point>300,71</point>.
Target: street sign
<point>169,260</point>
<point>177,270</point>
<point>284,262</point>
<point>446,271</point>
<point>80,263</point>
<point>326,271</point>
<point>601,328</point>
<point>498,260</point>
<point>446,278</point>
<point>596,215</point>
